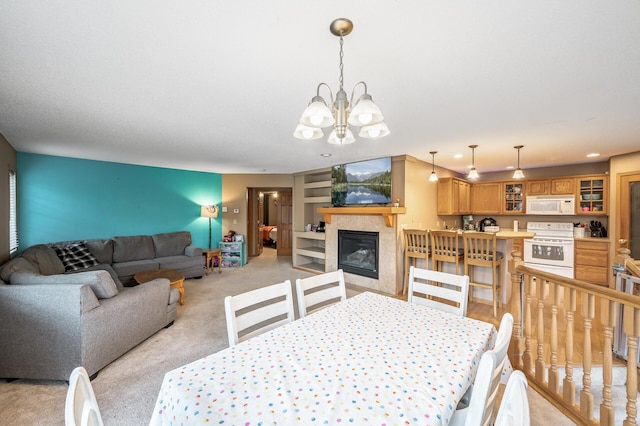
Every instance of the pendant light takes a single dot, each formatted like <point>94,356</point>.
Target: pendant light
<point>341,112</point>
<point>518,173</point>
<point>473,173</point>
<point>433,177</point>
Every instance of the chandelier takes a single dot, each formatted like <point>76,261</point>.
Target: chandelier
<point>364,113</point>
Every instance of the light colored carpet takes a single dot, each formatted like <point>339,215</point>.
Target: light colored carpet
<point>127,389</point>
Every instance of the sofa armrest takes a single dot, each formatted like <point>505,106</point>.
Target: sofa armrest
<point>192,251</point>
<point>41,329</point>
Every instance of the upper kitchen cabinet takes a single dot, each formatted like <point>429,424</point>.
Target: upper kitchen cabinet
<point>592,195</point>
<point>486,198</point>
<point>513,198</point>
<point>562,186</point>
<point>454,196</point>
<point>538,187</point>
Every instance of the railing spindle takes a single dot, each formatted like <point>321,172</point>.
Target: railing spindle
<point>540,367</point>
<point>586,397</point>
<point>608,318</point>
<point>568,384</point>
<point>554,380</point>
<point>632,328</point>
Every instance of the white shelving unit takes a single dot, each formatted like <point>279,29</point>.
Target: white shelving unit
<point>311,190</point>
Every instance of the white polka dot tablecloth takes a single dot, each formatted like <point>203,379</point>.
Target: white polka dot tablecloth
<point>369,360</point>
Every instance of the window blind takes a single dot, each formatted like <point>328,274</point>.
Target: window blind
<point>13,213</point>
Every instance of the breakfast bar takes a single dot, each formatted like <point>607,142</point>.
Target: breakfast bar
<point>505,240</point>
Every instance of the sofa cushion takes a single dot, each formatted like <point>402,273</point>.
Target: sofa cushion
<point>101,249</point>
<point>44,258</point>
<point>126,249</point>
<point>75,257</point>
<point>15,265</point>
<point>171,243</point>
<point>124,269</point>
<point>110,270</point>
<point>180,262</point>
<point>100,281</point>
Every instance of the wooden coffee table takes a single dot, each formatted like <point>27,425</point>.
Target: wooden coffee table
<point>175,278</point>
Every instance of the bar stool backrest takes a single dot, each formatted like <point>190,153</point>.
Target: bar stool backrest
<point>445,247</point>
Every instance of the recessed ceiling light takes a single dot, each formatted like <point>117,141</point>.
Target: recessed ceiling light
<point>510,167</point>
<point>593,154</point>
<point>325,154</point>
<point>457,156</point>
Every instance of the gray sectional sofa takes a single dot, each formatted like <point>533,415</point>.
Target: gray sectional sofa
<point>68,304</point>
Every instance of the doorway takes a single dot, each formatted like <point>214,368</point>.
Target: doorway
<point>270,221</point>
<point>628,226</point>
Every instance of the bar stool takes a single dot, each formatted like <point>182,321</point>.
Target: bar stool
<point>416,246</point>
<point>480,251</point>
<point>444,248</point>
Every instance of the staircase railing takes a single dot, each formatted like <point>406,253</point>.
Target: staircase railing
<point>563,328</point>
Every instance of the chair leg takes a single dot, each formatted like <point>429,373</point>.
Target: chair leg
<point>494,285</point>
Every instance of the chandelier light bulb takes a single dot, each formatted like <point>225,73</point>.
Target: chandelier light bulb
<point>365,118</point>
<point>307,133</point>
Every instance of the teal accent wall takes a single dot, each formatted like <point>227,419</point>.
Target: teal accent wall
<point>62,199</point>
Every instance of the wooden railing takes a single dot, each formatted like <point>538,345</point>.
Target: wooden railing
<point>563,337</point>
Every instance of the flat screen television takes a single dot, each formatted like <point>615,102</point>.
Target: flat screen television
<point>361,183</point>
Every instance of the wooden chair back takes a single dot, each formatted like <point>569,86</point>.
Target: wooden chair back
<point>319,291</point>
<point>447,292</point>
<point>416,246</point>
<point>445,248</point>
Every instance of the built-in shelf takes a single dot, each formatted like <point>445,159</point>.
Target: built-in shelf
<point>388,213</point>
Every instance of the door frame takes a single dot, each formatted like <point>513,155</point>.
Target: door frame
<point>253,216</point>
<point>623,207</point>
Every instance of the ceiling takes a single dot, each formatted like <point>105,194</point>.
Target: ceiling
<point>220,86</point>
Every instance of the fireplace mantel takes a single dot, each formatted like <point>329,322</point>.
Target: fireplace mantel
<point>388,213</point>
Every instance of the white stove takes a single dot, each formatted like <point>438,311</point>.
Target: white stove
<point>551,250</point>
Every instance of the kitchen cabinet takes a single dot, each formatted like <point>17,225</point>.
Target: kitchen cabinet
<point>538,187</point>
<point>592,195</point>
<point>486,198</point>
<point>562,186</point>
<point>513,198</point>
<point>453,196</point>
<point>592,260</point>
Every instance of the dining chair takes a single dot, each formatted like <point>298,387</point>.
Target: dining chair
<point>444,248</point>
<point>477,390</point>
<point>416,246</point>
<point>256,311</point>
<point>318,291</point>
<point>81,407</point>
<point>480,409</point>
<point>514,408</point>
<point>480,251</point>
<point>447,292</point>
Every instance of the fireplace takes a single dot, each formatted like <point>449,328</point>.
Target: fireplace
<point>358,252</point>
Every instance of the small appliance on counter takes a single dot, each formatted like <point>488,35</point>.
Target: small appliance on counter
<point>467,223</point>
<point>488,221</point>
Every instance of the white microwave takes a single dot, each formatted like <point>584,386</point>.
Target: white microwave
<point>551,205</point>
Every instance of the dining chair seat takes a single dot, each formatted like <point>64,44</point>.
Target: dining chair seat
<point>480,251</point>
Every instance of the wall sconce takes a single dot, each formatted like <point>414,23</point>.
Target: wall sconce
<point>473,173</point>
<point>433,177</point>
<point>209,212</point>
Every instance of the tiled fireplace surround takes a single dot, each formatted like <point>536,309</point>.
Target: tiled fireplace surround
<point>387,262</point>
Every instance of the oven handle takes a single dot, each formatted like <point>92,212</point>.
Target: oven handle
<point>555,243</point>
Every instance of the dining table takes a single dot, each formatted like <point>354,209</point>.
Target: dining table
<point>370,359</point>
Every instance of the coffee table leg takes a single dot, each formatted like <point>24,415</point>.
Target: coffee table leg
<point>180,286</point>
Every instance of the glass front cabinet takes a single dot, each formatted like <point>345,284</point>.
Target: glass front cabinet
<point>513,198</point>
<point>593,195</point>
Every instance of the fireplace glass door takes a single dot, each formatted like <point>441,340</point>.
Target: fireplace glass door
<point>358,252</point>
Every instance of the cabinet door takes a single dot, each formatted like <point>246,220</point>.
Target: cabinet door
<point>562,186</point>
<point>486,198</point>
<point>445,196</point>
<point>592,195</point>
<point>513,198</point>
<point>464,197</point>
<point>538,187</point>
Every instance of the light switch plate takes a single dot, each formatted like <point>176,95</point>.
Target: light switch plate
<point>224,209</point>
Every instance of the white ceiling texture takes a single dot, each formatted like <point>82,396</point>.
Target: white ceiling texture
<point>219,86</point>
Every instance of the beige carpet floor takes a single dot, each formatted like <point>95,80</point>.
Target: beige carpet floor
<point>127,389</point>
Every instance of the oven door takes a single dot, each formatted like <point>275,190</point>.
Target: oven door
<point>550,252</point>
